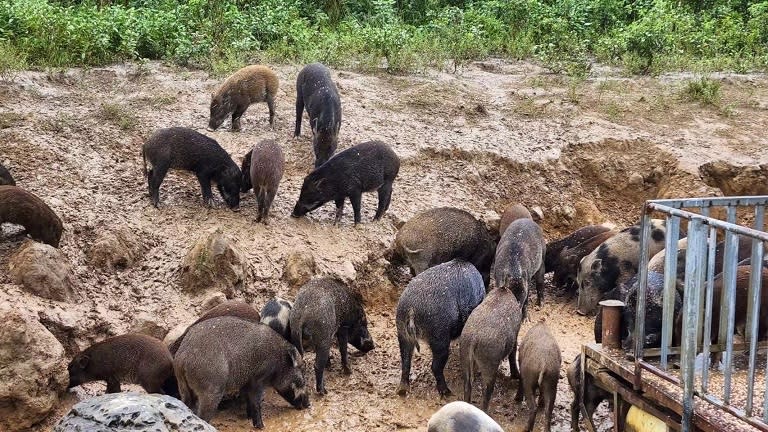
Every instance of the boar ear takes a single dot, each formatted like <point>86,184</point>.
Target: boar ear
<point>83,361</point>
<point>597,264</point>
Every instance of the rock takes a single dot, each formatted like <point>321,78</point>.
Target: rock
<point>587,213</point>
<point>132,412</point>
<point>537,213</point>
<point>148,324</point>
<point>214,263</point>
<point>212,300</point>
<point>562,215</point>
<point>299,268</point>
<point>176,332</point>
<point>735,180</point>
<point>65,325</point>
<point>636,179</point>
<point>44,271</point>
<point>33,371</point>
<point>116,248</point>
<point>346,272</point>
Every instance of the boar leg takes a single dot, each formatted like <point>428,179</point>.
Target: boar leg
<point>339,210</point>
<point>271,105</point>
<point>205,186</point>
<point>530,401</point>
<point>539,276</point>
<point>113,385</point>
<point>489,382</point>
<point>385,196</point>
<point>299,111</point>
<point>548,396</point>
<point>355,198</point>
<point>270,196</point>
<point>321,360</point>
<point>519,394</point>
<point>239,111</point>
<point>343,338</point>
<point>440,353</point>
<point>514,372</point>
<point>406,354</point>
<point>575,414</point>
<point>157,174</point>
<point>253,404</point>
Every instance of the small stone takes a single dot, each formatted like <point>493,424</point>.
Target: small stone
<point>116,248</point>
<point>148,324</point>
<point>213,299</point>
<point>636,179</point>
<point>299,268</point>
<point>213,262</point>
<point>537,213</point>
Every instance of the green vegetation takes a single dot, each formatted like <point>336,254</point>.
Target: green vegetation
<point>118,115</point>
<point>645,36</point>
<point>703,90</point>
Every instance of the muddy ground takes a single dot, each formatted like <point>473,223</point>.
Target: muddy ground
<point>583,151</point>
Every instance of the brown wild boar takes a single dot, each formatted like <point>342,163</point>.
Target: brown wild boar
<point>20,207</point>
<point>249,85</point>
<point>539,369</point>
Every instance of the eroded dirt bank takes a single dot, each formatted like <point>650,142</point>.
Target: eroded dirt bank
<point>583,152</point>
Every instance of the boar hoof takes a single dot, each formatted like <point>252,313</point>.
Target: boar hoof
<point>403,389</point>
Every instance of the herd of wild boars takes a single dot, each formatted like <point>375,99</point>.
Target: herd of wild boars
<point>470,283</point>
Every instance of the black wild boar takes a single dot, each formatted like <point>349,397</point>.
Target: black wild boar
<point>6,179</point>
<point>233,308</point>
<point>186,149</point>
<point>130,358</point>
<point>262,169</point>
<point>316,91</point>
<point>439,235</point>
<point>365,167</point>
<point>743,274</point>
<point>512,213</point>
<point>324,308</point>
<point>276,314</point>
<point>567,265</point>
<point>654,311</point>
<point>433,308</point>
<point>520,261</point>
<point>614,262</point>
<point>226,355</point>
<point>460,416</point>
<point>572,240</point>
<point>593,395</point>
<point>489,337</point>
<point>20,207</point>
<point>247,86</point>
<point>539,370</point>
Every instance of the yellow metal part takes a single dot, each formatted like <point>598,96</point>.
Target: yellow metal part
<point>640,421</point>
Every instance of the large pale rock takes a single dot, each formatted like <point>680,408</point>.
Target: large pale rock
<point>132,412</point>
<point>44,271</point>
<point>33,371</point>
<point>214,263</point>
<point>116,248</point>
<point>148,324</point>
<point>299,268</point>
<point>734,180</point>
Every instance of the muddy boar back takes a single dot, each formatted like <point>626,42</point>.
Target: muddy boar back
<point>316,91</point>
<point>20,207</point>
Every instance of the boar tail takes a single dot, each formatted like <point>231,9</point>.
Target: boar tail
<point>541,378</point>
<point>296,336</point>
<point>410,329</point>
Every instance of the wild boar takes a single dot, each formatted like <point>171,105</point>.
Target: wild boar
<point>439,235</point>
<point>186,149</point>
<point>276,314</point>
<point>324,308</point>
<point>539,370</point>
<point>131,358</point>
<point>513,212</point>
<point>461,417</point>
<point>570,241</point>
<point>262,169</point>
<point>433,308</point>
<point>233,308</point>
<point>316,91</point>
<point>226,355</point>
<point>20,207</point>
<point>365,167</point>
<point>249,85</point>
<point>6,179</point>
<point>593,395</point>
<point>567,264</point>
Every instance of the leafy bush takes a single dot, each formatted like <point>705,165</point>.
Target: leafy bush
<point>402,35</point>
<point>703,90</point>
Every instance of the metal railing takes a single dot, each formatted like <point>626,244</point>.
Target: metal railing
<point>698,300</point>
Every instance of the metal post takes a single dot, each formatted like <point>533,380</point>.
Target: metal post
<point>670,287</point>
<point>753,309</point>
<point>708,307</point>
<point>611,314</point>
<point>642,265</point>
<point>694,282</point>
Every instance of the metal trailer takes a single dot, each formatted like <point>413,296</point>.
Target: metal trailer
<point>682,385</point>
